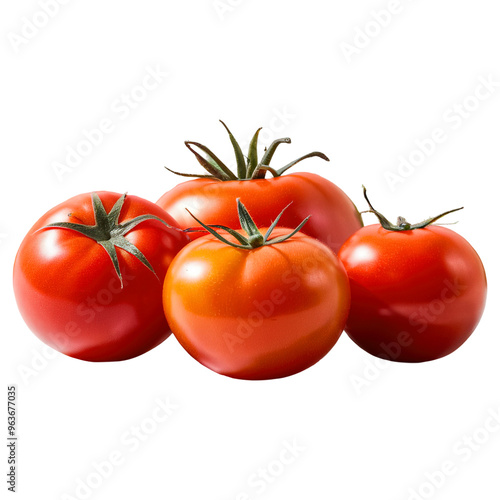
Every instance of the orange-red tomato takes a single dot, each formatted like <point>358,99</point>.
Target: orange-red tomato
<point>333,215</point>
<point>258,313</point>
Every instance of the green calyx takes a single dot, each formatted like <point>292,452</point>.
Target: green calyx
<point>248,167</point>
<point>254,238</point>
<point>108,233</point>
<point>402,224</point>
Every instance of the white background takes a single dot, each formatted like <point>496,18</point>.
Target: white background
<point>283,65</point>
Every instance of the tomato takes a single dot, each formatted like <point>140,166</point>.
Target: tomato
<point>334,216</point>
<point>260,310</point>
<point>417,292</point>
<point>90,285</point>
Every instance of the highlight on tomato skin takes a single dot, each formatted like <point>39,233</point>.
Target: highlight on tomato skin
<point>88,275</point>
<point>258,303</point>
<point>418,291</point>
<point>264,190</point>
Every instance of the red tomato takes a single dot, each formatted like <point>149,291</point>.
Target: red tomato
<point>334,216</point>
<point>259,313</point>
<point>416,294</point>
<point>67,285</point>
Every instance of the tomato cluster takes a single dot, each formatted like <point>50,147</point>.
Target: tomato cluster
<point>259,290</point>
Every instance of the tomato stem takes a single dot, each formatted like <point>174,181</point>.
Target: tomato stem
<point>108,233</point>
<point>254,238</point>
<point>250,169</point>
<point>401,223</point>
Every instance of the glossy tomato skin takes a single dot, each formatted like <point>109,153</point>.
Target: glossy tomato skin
<point>69,293</point>
<point>254,314</point>
<point>417,295</point>
<point>333,215</point>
